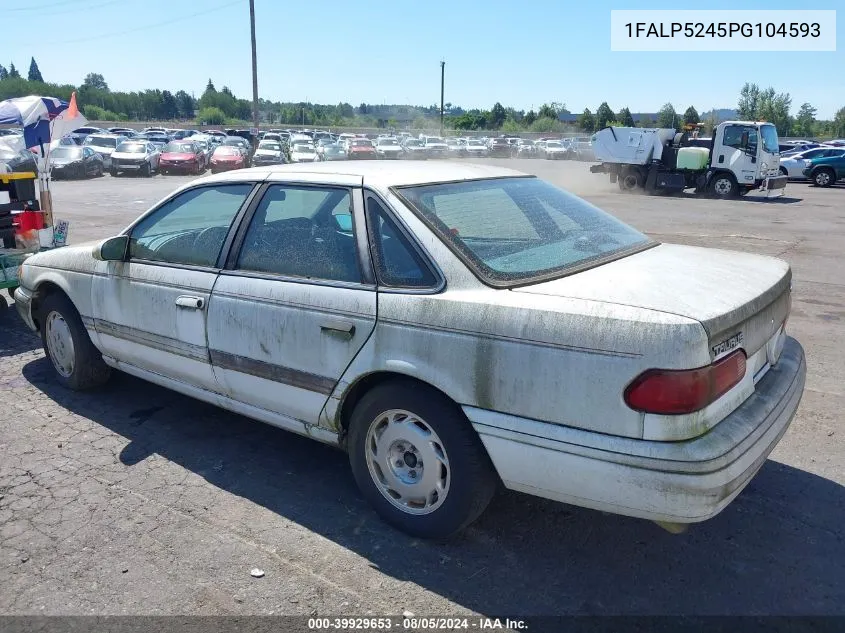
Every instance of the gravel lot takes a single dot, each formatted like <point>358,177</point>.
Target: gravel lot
<point>136,500</point>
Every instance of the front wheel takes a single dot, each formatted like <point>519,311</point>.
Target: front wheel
<point>77,363</point>
<point>113,172</point>
<point>723,186</point>
<point>146,171</point>
<point>418,461</point>
<point>824,178</point>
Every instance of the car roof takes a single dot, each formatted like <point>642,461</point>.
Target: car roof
<point>376,174</point>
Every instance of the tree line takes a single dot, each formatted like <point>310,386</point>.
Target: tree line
<point>218,107</point>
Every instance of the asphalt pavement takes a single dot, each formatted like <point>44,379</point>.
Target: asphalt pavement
<point>136,500</point>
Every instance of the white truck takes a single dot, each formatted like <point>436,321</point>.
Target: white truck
<point>742,156</point>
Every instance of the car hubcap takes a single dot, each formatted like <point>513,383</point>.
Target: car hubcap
<point>630,182</point>
<point>723,186</point>
<point>408,462</point>
<point>823,178</point>
<point>60,344</point>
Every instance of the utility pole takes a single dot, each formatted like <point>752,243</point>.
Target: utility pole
<point>254,65</point>
<point>442,85</point>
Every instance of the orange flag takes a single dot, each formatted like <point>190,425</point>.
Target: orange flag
<point>72,110</point>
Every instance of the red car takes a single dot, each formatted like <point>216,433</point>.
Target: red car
<point>182,156</point>
<point>226,157</point>
<point>360,148</point>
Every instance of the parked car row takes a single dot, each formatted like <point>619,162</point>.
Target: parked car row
<point>823,165</point>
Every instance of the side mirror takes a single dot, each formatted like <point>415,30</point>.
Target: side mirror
<point>112,250</point>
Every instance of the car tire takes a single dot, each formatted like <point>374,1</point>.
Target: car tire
<point>77,363</point>
<point>113,172</point>
<point>146,170</point>
<point>427,428</point>
<point>784,172</point>
<point>824,177</point>
<point>723,185</point>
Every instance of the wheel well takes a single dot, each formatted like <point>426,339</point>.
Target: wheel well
<point>44,290</point>
<point>354,394</point>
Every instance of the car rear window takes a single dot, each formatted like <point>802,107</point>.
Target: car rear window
<point>513,230</point>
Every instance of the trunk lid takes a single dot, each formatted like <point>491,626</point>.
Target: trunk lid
<point>740,299</point>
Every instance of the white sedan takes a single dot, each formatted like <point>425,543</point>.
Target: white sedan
<point>303,153</point>
<point>793,166</point>
<point>451,326</point>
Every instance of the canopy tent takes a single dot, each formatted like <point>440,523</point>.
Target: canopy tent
<point>43,119</point>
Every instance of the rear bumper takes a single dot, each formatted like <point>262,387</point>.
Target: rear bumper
<point>682,482</point>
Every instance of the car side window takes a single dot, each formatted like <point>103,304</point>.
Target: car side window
<point>397,263</point>
<point>190,228</point>
<point>301,231</point>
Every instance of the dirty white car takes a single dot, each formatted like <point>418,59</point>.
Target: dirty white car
<point>451,326</point>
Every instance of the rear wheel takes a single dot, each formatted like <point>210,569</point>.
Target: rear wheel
<point>783,171</point>
<point>146,171</point>
<point>630,180</point>
<point>824,177</point>
<point>723,186</point>
<point>113,172</point>
<point>78,364</point>
<point>418,461</point>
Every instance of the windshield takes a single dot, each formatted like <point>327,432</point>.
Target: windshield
<point>360,142</point>
<point>273,147</point>
<point>770,138</point>
<point>132,148</point>
<point>434,139</point>
<point>224,150</point>
<point>553,144</point>
<point>475,143</point>
<point>514,229</point>
<point>387,141</point>
<point>179,148</point>
<point>98,141</point>
<point>302,147</point>
<point>239,142</point>
<point>72,153</point>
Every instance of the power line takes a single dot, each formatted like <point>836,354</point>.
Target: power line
<point>41,7</point>
<point>150,26</point>
<point>88,8</point>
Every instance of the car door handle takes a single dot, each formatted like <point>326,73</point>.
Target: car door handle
<point>338,325</point>
<point>192,303</point>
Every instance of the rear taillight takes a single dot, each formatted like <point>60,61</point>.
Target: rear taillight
<point>674,392</point>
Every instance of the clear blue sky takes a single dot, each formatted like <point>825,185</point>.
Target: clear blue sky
<point>521,54</point>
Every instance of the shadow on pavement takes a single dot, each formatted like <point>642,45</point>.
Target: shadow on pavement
<point>777,550</point>
<point>15,338</point>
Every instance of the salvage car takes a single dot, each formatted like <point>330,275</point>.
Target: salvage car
<point>333,151</point>
<point>793,165</point>
<point>137,156</point>
<point>182,157</point>
<point>104,145</point>
<point>301,152</point>
<point>269,153</point>
<point>388,148</point>
<point>227,157</point>
<point>360,148</point>
<point>824,171</point>
<point>72,161</point>
<point>451,326</point>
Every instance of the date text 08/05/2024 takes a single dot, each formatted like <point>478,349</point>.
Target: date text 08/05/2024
<point>416,623</point>
<point>723,29</point>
